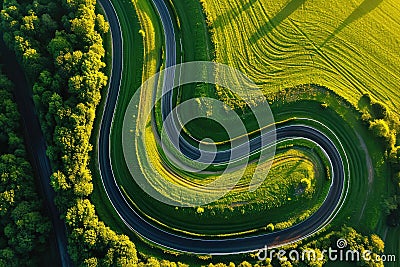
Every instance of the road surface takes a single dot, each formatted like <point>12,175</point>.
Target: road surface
<point>185,243</point>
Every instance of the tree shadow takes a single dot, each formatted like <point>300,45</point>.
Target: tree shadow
<point>285,12</point>
<point>363,9</point>
<point>364,102</point>
<point>221,20</point>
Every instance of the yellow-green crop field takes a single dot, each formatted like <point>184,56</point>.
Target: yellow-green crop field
<point>351,47</point>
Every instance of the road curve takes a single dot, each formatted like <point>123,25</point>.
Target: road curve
<point>186,243</point>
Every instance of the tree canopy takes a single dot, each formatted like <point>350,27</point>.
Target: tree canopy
<point>60,46</point>
<point>23,227</point>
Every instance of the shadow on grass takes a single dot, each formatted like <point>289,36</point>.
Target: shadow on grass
<point>363,9</point>
<point>152,55</point>
<point>364,102</point>
<point>290,7</point>
<point>226,17</point>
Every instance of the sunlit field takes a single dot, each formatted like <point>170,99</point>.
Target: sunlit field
<point>350,47</point>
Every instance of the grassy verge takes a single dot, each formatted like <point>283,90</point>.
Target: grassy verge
<point>362,209</point>
<point>131,80</point>
<point>361,197</point>
<point>99,197</point>
<point>340,123</point>
<point>142,55</point>
<point>392,244</point>
<point>134,68</point>
<point>226,216</point>
<point>194,42</point>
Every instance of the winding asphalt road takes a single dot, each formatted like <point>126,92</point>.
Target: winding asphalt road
<point>187,243</point>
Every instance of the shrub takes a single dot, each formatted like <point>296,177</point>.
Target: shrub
<point>270,227</point>
<point>379,111</point>
<point>380,128</point>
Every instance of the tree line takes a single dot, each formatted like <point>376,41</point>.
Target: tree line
<point>313,253</point>
<point>24,229</point>
<point>385,126</point>
<point>60,46</point>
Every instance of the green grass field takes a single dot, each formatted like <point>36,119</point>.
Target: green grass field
<point>338,116</point>
<point>281,196</point>
<point>367,188</point>
<point>295,42</point>
<point>350,47</point>
<point>140,199</point>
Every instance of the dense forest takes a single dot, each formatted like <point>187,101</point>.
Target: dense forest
<point>24,229</point>
<point>60,46</point>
